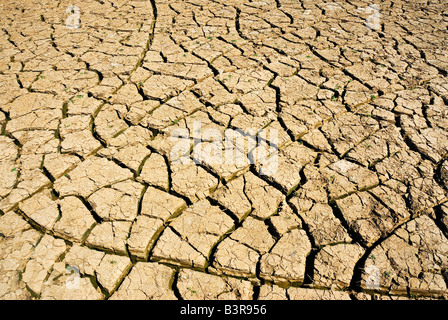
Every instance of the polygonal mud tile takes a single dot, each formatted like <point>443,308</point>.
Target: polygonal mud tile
<point>112,270</point>
<point>155,171</point>
<point>89,176</point>
<point>202,225</point>
<point>235,258</point>
<point>413,258</point>
<point>316,294</point>
<point>272,292</point>
<point>76,220</point>
<point>194,285</point>
<point>367,217</point>
<point>286,260</point>
<point>173,249</point>
<point>110,235</point>
<point>285,167</point>
<point>146,281</point>
<point>41,208</point>
<point>192,181</point>
<point>41,261</point>
<point>117,202</point>
<point>66,284</point>
<point>323,225</point>
<point>334,265</point>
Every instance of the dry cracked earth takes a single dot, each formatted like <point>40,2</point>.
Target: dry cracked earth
<point>93,207</point>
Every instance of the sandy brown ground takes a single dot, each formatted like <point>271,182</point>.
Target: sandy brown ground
<point>88,186</point>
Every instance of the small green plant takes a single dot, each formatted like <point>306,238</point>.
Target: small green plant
<point>372,257</point>
<point>191,290</point>
<point>13,169</point>
<point>372,97</point>
<point>386,274</point>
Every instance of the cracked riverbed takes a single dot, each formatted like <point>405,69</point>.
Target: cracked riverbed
<point>94,206</point>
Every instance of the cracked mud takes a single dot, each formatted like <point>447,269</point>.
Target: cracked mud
<point>93,205</point>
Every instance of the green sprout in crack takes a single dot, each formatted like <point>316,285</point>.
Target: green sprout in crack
<point>140,84</point>
<point>372,257</point>
<point>386,274</point>
<point>113,262</point>
<point>191,290</point>
<point>210,38</point>
<point>175,121</point>
<point>372,97</point>
<point>13,169</point>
